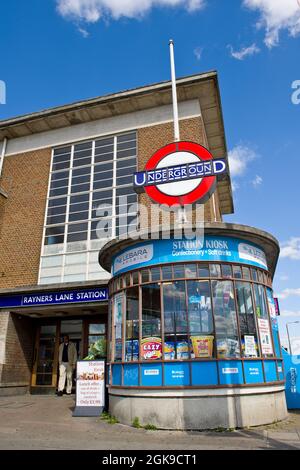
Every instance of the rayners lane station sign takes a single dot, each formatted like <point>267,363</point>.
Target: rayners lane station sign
<point>54,298</point>
<point>180,173</point>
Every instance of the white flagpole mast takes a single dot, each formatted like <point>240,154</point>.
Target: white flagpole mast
<point>174,93</point>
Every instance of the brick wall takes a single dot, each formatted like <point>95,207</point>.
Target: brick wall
<point>25,181</point>
<point>16,349</point>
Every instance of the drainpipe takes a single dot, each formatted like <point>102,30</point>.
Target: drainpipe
<point>4,144</point>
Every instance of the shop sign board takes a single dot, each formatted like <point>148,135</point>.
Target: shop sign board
<point>265,336</point>
<point>180,173</point>
<point>41,299</point>
<point>90,388</point>
<point>210,248</point>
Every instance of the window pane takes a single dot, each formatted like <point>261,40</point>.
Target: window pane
<point>225,319</point>
<point>151,310</point>
<point>62,150</point>
<point>203,271</point>
<point>56,219</point>
<point>151,347</point>
<point>237,272</point>
<point>260,301</point>
<point>145,275</point>
<point>132,324</point>
<point>77,237</point>
<point>175,307</point>
<point>97,328</point>
<point>179,271</point>
<point>247,319</point>
<point>135,277</point>
<point>175,321</point>
<point>58,192</point>
<point>190,270</point>
<point>62,201</point>
<point>246,273</point>
<point>54,240</point>
<point>104,142</point>
<point>226,270</point>
<point>199,307</point>
<point>260,276</point>
<point>166,272</point>
<point>79,199</point>
<point>215,270</point>
<point>126,137</point>
<point>155,274</point>
<point>60,230</point>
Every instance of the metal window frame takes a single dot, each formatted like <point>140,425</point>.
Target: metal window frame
<point>64,250</point>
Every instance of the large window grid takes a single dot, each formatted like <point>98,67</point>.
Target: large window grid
<point>242,313</point>
<point>86,181</point>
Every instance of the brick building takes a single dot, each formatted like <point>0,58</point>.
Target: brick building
<point>55,165</point>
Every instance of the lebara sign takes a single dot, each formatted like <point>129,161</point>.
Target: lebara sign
<point>180,173</point>
<point>211,248</point>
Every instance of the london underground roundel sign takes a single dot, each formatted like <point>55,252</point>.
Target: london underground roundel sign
<point>180,173</point>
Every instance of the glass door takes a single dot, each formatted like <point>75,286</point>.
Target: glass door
<point>45,356</point>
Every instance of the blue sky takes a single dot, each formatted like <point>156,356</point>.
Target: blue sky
<point>58,51</point>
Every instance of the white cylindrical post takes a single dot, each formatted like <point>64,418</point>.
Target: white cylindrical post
<point>174,93</point>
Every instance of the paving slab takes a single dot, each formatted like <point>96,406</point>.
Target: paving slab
<point>46,422</point>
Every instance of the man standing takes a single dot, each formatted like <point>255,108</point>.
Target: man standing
<point>67,358</point>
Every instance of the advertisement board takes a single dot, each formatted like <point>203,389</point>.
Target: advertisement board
<point>210,248</point>
<point>90,388</point>
<point>265,336</point>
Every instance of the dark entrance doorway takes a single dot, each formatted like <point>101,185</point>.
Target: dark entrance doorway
<point>49,334</point>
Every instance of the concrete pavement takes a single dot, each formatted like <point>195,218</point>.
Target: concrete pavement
<point>46,422</point>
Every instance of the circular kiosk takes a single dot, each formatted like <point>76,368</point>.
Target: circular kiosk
<point>193,332</point>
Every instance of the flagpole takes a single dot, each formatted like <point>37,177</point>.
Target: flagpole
<point>174,93</point>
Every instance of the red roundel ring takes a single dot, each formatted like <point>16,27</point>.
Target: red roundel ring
<point>204,189</point>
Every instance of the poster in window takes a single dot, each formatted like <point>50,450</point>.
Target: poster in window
<point>228,347</point>
<point>202,346</point>
<point>151,348</point>
<point>265,336</point>
<point>250,346</point>
<point>118,307</point>
<point>132,350</point>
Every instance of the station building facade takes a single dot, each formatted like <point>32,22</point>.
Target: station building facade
<point>68,169</point>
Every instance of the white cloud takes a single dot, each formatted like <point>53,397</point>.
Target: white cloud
<point>239,158</point>
<point>235,186</point>
<point>283,277</point>
<point>92,11</point>
<point>291,249</point>
<point>257,181</point>
<point>289,293</point>
<point>275,16</point>
<point>83,32</point>
<point>198,51</point>
<point>244,52</point>
<point>290,313</point>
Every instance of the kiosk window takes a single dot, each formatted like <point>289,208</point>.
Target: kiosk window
<point>132,325</point>
<point>151,347</point>
<point>175,321</point>
<point>225,319</point>
<point>201,327</point>
<point>247,319</point>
